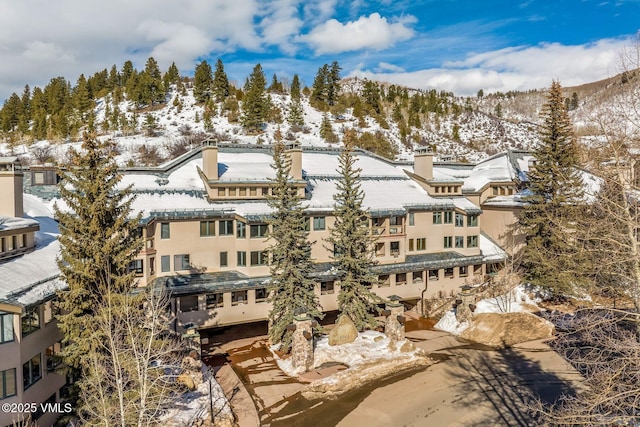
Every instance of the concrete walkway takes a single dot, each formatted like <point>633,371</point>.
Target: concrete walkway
<point>241,403</point>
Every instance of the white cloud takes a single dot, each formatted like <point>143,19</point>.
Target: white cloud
<point>516,68</point>
<point>281,24</point>
<point>372,32</point>
<point>385,66</point>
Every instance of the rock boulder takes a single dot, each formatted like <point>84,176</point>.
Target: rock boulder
<point>344,332</point>
<point>502,330</point>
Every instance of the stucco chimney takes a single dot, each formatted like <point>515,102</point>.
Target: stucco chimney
<point>210,159</point>
<point>295,154</point>
<point>423,163</point>
<point>11,176</point>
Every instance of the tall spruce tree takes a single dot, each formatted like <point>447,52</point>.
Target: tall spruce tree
<point>295,117</point>
<point>255,105</point>
<point>295,88</point>
<point>292,287</point>
<point>202,81</point>
<point>220,83</point>
<point>353,245</point>
<point>98,241</point>
<point>551,257</point>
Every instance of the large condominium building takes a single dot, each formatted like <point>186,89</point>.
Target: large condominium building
<point>206,233</point>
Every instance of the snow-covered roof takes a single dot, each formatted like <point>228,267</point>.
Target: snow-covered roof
<point>33,277</point>
<point>13,223</point>
<point>490,249</point>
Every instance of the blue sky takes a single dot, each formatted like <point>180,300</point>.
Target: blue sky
<point>459,46</point>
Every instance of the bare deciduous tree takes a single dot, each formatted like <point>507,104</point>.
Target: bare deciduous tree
<point>130,376</point>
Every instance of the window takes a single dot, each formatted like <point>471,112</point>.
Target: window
<point>411,245</point>
<point>412,219</point>
<point>259,258</point>
<point>380,249</point>
<point>189,303</point>
<point>421,244</point>
<point>52,356</point>
<point>472,241</point>
<point>307,223</point>
<point>242,191</point>
<point>459,220</point>
<point>253,191</point>
<point>221,192</point>
<point>259,230</point>
<point>238,297</point>
<point>401,279</point>
<point>38,178</point>
<point>225,228</point>
<point>265,191</point>
<point>448,272</point>
<point>448,217</point>
<point>8,379</point>
<point>165,231</point>
<point>23,240</point>
<point>448,242</point>
<point>261,295</point>
<point>242,259</point>
<point>181,262</point>
<point>30,321</point>
<point>327,288</point>
<point>6,327</point>
<point>224,259</point>
<point>477,269</point>
<point>165,263</point>
<point>433,275</point>
<point>215,300</point>
<point>319,223</point>
<point>207,228</point>
<point>472,221</point>
<point>136,266</point>
<point>459,241</point>
<point>463,271</point>
<point>395,220</point>
<point>416,277</point>
<point>31,371</point>
<point>395,248</point>
<point>494,190</point>
<point>152,266</point>
<point>395,225</point>
<point>232,191</point>
<point>437,217</point>
<point>241,229</point>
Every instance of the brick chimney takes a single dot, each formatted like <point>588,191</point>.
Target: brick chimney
<point>423,163</point>
<point>11,187</point>
<point>210,159</point>
<point>294,152</point>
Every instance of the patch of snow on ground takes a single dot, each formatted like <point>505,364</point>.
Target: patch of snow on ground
<point>449,323</point>
<point>194,405</point>
<point>369,346</point>
<point>516,300</point>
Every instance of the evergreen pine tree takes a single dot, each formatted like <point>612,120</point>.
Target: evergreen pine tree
<point>319,88</point>
<point>295,116</point>
<point>326,130</point>
<point>548,219</point>
<point>220,83</point>
<point>333,83</point>
<point>295,88</point>
<point>98,241</point>
<point>254,105</point>
<point>353,245</point>
<point>292,287</point>
<point>202,81</point>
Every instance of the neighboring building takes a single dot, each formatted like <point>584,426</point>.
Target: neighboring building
<point>29,336</point>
